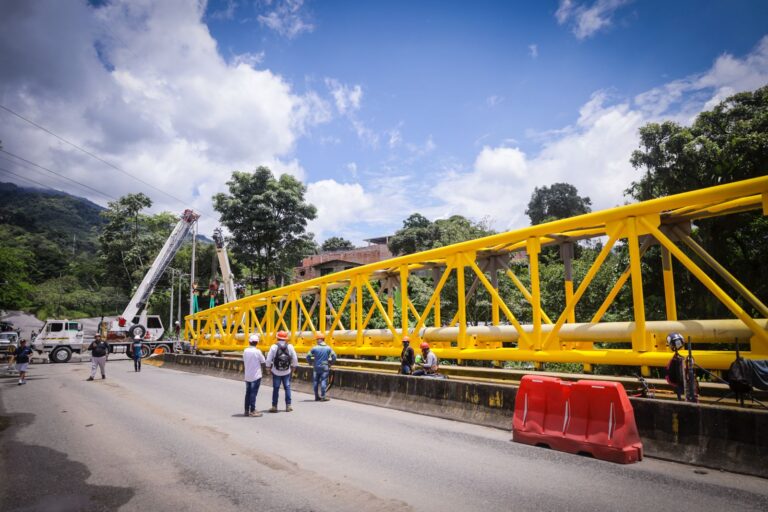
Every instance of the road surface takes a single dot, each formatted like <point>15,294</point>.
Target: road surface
<point>169,440</point>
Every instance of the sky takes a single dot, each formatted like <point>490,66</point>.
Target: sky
<point>381,108</point>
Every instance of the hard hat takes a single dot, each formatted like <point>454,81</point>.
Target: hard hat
<point>320,337</point>
<point>406,339</point>
<point>675,341</point>
<point>253,339</point>
<point>137,337</point>
<point>424,345</point>
<point>282,335</point>
<point>176,322</point>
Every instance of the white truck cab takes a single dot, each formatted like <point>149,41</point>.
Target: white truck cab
<point>59,339</point>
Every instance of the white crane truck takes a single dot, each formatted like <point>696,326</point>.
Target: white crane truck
<point>61,338</point>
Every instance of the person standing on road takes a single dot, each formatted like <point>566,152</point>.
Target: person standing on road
<point>176,329</point>
<point>430,365</point>
<point>252,361</point>
<point>321,357</point>
<point>21,356</point>
<point>99,350</point>
<point>136,353</point>
<point>407,357</point>
<point>281,361</point>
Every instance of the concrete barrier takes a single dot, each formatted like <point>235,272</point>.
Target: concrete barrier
<point>707,435</point>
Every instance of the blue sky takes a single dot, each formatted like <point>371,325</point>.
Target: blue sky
<point>381,108</point>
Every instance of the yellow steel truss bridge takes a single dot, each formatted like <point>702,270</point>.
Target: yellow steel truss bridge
<point>346,305</point>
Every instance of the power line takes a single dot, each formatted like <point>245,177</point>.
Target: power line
<point>62,139</point>
<point>25,178</point>
<point>57,174</point>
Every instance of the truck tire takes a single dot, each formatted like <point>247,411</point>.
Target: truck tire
<point>61,355</point>
<point>146,350</point>
<point>137,330</point>
<point>164,348</point>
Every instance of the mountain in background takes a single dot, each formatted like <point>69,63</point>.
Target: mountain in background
<point>51,226</point>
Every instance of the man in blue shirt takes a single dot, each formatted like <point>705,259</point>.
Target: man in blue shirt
<point>321,357</point>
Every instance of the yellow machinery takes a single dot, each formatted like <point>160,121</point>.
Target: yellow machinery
<point>308,307</point>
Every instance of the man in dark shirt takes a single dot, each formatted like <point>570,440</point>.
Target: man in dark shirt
<point>99,350</point>
<point>407,357</point>
<point>22,355</point>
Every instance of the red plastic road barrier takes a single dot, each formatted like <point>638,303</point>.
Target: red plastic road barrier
<point>540,412</point>
<point>592,417</point>
<point>602,422</point>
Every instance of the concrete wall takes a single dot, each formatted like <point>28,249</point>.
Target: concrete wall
<point>717,437</point>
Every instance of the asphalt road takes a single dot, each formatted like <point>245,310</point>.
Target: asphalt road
<point>169,440</point>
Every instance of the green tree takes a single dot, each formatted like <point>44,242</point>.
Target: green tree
<point>14,286</point>
<point>558,201</point>
<point>267,219</point>
<point>337,243</point>
<point>726,144</point>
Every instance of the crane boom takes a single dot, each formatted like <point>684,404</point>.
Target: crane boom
<point>228,279</point>
<point>139,300</point>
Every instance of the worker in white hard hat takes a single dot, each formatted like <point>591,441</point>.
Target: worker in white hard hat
<point>136,351</point>
<point>252,361</point>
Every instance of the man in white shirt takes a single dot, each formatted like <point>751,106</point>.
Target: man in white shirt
<point>281,360</point>
<point>429,363</point>
<point>252,361</point>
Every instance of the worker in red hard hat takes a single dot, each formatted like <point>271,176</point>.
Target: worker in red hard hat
<point>281,361</point>
<point>429,364</point>
<point>407,357</point>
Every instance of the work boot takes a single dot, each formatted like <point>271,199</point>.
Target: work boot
<point>288,408</point>
<point>317,399</point>
<point>103,377</point>
<point>89,378</point>
<point>273,409</point>
<point>246,413</point>
<point>255,414</point>
<point>325,399</point>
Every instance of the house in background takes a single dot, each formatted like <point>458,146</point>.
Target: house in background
<point>335,261</point>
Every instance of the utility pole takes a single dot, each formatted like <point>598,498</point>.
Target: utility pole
<point>192,275</point>
<point>170,303</point>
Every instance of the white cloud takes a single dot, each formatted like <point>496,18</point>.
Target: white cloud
<point>592,154</point>
<point>533,50</point>
<point>587,21</point>
<point>286,18</point>
<point>494,100</point>
<point>347,97</point>
<point>143,84</point>
<point>395,138</point>
<point>248,58</point>
<point>352,168</point>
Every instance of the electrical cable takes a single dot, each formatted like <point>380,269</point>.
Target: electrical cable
<point>79,148</point>
<point>26,179</point>
<point>57,174</point>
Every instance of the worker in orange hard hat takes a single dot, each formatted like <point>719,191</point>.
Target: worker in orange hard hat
<point>430,364</point>
<point>407,357</point>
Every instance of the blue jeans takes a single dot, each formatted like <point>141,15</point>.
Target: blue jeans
<point>137,362</point>
<point>405,369</point>
<point>285,380</point>
<point>320,379</point>
<point>251,390</point>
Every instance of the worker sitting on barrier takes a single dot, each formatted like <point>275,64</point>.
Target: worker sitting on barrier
<point>430,365</point>
<point>321,357</point>
<point>407,358</point>
<point>676,366</point>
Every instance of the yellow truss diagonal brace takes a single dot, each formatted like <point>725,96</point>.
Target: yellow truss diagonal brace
<point>718,292</point>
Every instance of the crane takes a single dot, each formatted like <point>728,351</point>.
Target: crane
<point>228,279</point>
<point>138,303</point>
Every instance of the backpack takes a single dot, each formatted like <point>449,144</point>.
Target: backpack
<point>282,358</point>
<point>675,375</point>
<point>739,376</point>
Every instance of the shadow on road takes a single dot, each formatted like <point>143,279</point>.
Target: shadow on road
<point>37,478</point>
